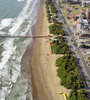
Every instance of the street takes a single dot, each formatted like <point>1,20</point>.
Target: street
<point>82,66</point>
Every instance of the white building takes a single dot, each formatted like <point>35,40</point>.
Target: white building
<point>85,3</point>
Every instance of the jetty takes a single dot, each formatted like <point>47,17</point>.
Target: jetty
<point>32,36</point>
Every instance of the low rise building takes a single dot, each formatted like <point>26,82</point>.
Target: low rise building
<point>88,15</point>
<point>84,39</point>
<point>85,3</point>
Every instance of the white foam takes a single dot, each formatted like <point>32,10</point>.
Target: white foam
<point>2,95</point>
<point>20,0</point>
<point>20,18</point>
<point>9,49</point>
<point>15,72</point>
<point>9,44</point>
<point>7,53</point>
<point>5,22</point>
<point>22,97</point>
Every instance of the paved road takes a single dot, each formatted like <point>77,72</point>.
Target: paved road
<point>76,51</point>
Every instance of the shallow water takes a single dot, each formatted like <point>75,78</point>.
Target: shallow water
<point>16,18</point>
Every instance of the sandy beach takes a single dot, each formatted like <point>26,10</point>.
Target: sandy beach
<point>45,81</point>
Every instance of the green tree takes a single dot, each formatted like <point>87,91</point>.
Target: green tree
<point>68,72</point>
<point>56,29</point>
<point>73,95</point>
<point>82,95</point>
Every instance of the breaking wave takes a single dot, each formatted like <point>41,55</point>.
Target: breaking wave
<point>13,81</point>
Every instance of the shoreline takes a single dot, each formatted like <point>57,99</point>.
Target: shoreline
<point>41,67</point>
<point>26,59</point>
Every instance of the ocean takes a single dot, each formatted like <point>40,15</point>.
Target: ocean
<point>16,18</point>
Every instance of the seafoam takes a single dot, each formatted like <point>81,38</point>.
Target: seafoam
<point>14,84</point>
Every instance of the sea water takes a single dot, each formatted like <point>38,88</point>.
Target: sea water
<point>16,18</point>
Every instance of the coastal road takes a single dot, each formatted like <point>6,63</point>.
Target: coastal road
<point>85,73</point>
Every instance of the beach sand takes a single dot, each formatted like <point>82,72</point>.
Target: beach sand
<point>45,82</point>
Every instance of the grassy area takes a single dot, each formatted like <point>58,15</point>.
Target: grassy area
<point>89,80</point>
<point>65,13</point>
<point>62,4</point>
<point>78,6</point>
<point>76,12</point>
<point>71,22</point>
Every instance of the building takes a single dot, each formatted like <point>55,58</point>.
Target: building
<point>83,13</point>
<point>88,15</point>
<point>84,39</point>
<point>61,1</point>
<point>85,3</point>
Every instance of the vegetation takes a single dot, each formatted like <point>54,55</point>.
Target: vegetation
<point>56,29</point>
<point>56,16</point>
<point>59,46</point>
<point>78,6</point>
<point>51,10</point>
<point>48,14</point>
<point>88,80</point>
<point>57,23</point>
<point>76,12</point>
<point>85,46</point>
<point>88,58</point>
<point>78,95</point>
<point>67,67</point>
<point>65,13</point>
<point>68,72</point>
<point>48,2</point>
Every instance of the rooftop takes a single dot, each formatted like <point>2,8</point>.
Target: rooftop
<point>85,36</point>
